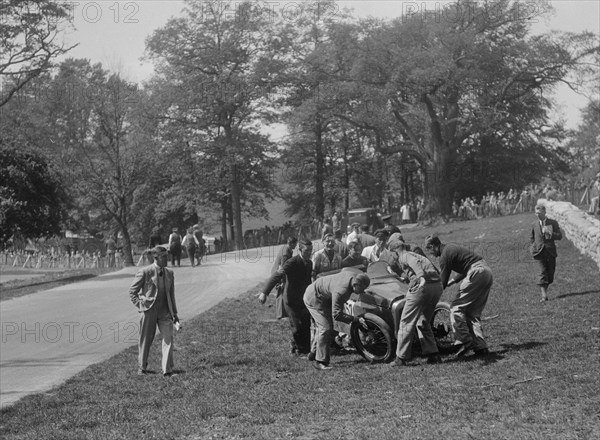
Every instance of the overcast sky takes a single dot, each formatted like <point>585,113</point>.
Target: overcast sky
<point>113,32</point>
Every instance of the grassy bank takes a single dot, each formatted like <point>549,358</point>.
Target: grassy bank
<point>236,379</point>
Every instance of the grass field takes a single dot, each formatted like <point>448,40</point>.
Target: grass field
<point>236,379</point>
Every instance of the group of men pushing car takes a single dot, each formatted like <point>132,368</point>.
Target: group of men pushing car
<point>323,299</point>
<point>309,297</point>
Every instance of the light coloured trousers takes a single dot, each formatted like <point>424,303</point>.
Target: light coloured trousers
<point>416,316</point>
<point>148,323</point>
<point>321,315</point>
<point>468,306</point>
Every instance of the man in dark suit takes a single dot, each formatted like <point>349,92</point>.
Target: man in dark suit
<point>153,294</point>
<point>285,253</point>
<point>298,270</point>
<point>543,249</point>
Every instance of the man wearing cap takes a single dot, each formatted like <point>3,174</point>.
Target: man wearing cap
<point>153,294</point>
<point>476,280</point>
<point>544,231</point>
<point>325,299</point>
<point>422,297</point>
<point>298,271</point>
<point>378,251</point>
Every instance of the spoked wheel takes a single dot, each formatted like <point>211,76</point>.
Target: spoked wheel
<point>442,327</point>
<point>375,344</point>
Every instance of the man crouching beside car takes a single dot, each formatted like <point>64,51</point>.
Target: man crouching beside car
<point>325,300</point>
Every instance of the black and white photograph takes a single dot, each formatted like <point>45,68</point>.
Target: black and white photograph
<point>309,219</point>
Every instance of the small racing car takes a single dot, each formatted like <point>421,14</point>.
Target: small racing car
<point>381,306</point>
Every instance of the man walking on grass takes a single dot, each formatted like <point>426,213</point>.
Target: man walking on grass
<point>544,231</point>
<point>475,278</point>
<point>153,293</point>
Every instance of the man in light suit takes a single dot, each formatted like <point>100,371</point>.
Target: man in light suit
<point>544,231</point>
<point>153,293</point>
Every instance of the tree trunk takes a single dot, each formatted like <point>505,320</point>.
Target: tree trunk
<point>127,252</point>
<point>224,233</point>
<point>236,208</point>
<point>320,172</point>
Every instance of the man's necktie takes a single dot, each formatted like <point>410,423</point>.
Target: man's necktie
<point>160,272</point>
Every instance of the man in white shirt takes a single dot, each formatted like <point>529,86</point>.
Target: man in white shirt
<point>378,252</point>
<point>353,236</point>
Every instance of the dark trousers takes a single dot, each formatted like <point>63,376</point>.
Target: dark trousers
<point>191,251</point>
<point>176,255</point>
<point>300,324</point>
<point>547,265</point>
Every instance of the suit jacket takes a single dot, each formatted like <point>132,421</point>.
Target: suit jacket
<point>298,273</point>
<point>537,240</point>
<point>144,289</point>
<point>332,292</point>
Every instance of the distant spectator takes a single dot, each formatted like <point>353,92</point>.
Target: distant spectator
<point>595,196</point>
<point>111,250</point>
<point>190,243</point>
<point>341,248</point>
<point>175,247</point>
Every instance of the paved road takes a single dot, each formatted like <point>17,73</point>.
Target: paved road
<point>49,336</point>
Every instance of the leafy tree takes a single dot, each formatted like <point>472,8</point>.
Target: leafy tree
<point>104,146</point>
<point>466,84</point>
<point>31,198</point>
<point>215,66</point>
<point>28,39</point>
<point>585,142</point>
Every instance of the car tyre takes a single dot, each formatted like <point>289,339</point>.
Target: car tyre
<point>376,344</point>
<point>441,325</point>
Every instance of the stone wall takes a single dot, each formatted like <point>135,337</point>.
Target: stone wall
<point>579,227</point>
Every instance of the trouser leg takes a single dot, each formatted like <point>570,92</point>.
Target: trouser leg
<point>165,325</point>
<point>321,316</point>
<point>300,326</point>
<point>468,306</point>
<point>427,339</point>
<point>324,328</point>
<point>147,331</point>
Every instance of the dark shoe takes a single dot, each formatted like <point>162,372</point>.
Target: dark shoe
<point>434,359</point>
<point>171,374</point>
<point>311,356</point>
<point>464,349</point>
<point>398,363</point>
<point>321,366</point>
<point>481,352</point>
<point>141,372</point>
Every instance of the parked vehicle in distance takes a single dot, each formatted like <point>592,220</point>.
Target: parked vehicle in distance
<point>365,216</point>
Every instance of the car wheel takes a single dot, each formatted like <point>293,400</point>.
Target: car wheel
<point>375,344</point>
<point>442,327</point>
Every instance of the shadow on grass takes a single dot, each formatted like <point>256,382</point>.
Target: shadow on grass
<point>585,292</point>
<point>518,347</point>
